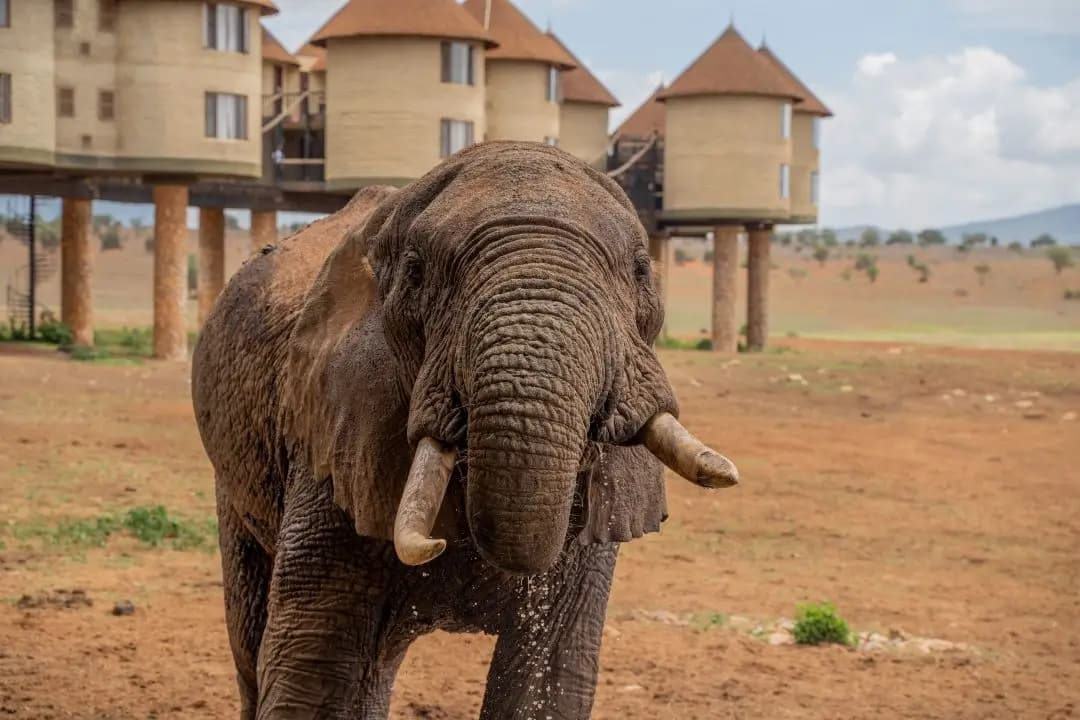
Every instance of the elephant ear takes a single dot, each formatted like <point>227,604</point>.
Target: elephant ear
<point>345,411</point>
<point>624,496</point>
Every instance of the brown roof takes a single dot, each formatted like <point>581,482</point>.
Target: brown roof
<point>810,103</point>
<point>730,67</point>
<point>274,51</point>
<point>649,118</point>
<point>315,57</point>
<point>580,85</point>
<point>518,38</point>
<point>410,18</point>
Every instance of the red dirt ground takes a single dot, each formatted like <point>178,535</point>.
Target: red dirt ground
<point>949,518</point>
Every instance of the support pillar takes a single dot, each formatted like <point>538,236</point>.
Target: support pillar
<point>170,272</point>
<point>211,259</point>
<point>725,322</point>
<point>77,270</point>
<point>263,229</point>
<point>758,265</point>
<point>659,251</point>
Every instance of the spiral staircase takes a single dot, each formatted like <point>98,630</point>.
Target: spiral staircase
<point>21,281</point>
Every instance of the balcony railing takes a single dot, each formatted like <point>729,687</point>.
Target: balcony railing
<point>294,109</point>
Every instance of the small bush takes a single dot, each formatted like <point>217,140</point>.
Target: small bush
<point>56,334</point>
<point>1060,257</point>
<point>817,624</point>
<point>88,354</point>
<point>1072,294</point>
<point>982,270</point>
<point>681,256</point>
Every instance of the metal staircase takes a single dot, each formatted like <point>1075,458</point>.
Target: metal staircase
<point>24,308</point>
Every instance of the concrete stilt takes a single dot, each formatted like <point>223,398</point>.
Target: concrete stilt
<point>725,322</point>
<point>211,259</point>
<point>77,270</point>
<point>263,229</point>
<point>170,272</point>
<point>758,264</point>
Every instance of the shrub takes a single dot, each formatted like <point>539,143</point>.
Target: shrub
<point>681,256</point>
<point>1044,240</point>
<point>1072,294</point>
<point>817,624</point>
<point>870,238</point>
<point>931,236</point>
<point>56,334</point>
<point>982,270</point>
<point>900,237</point>
<point>1060,257</point>
<point>110,239</point>
<point>192,274</point>
<point>1016,247</point>
<point>821,254</point>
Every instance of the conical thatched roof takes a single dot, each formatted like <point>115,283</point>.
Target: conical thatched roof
<point>517,37</point>
<point>580,85</point>
<point>730,67</point>
<point>274,51</point>
<point>649,118</point>
<point>810,103</point>
<point>407,18</point>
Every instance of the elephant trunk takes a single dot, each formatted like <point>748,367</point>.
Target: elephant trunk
<point>536,379</point>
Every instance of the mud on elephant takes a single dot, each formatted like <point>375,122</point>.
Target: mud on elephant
<point>439,408</point>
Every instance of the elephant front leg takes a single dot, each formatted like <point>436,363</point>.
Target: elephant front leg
<point>324,638</point>
<point>548,653</point>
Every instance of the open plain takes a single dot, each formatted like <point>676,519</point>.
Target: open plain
<point>930,493</point>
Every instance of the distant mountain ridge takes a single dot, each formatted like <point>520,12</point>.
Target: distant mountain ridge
<point>1061,222</point>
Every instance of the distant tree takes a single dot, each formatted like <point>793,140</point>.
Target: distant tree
<point>783,238</point>
<point>931,236</point>
<point>709,255</point>
<point>149,243</point>
<point>900,237</point>
<point>100,222</point>
<point>48,233</point>
<point>971,240</point>
<point>982,270</point>
<point>1044,240</point>
<point>1016,246</point>
<point>828,238</point>
<point>849,243</point>
<point>872,273</point>
<point>136,224</point>
<point>110,238</point>
<point>994,241</point>
<point>1061,257</point>
<point>867,263</point>
<point>681,256</point>
<point>231,222</point>
<point>870,237</point>
<point>821,254</point>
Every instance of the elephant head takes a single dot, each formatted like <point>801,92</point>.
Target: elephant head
<point>496,318</point>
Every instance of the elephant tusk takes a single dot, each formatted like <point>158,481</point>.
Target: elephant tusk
<point>673,445</point>
<point>420,501</point>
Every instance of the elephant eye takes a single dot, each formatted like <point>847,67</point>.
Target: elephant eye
<point>413,272</point>
<point>642,268</point>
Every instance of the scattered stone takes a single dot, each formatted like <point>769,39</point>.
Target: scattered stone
<point>990,398</point>
<point>1034,415</point>
<point>1024,404</point>
<point>694,382</point>
<point>1030,394</point>
<point>847,389</point>
<point>612,632</point>
<point>947,397</point>
<point>1068,417</point>
<point>897,634</point>
<point>895,350</point>
<point>797,378</point>
<point>738,623</point>
<point>123,608</point>
<point>781,638</point>
<point>631,688</point>
<point>65,599</point>
<point>959,392</point>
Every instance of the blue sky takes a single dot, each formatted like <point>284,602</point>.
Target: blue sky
<point>947,110</point>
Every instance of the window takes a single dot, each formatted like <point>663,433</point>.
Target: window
<point>5,14</point>
<point>106,105</point>
<point>106,15</point>
<point>5,98</point>
<point>817,132</point>
<point>785,121</point>
<point>551,140</point>
<point>785,181</point>
<point>65,102</point>
<point>226,116</point>
<point>815,187</point>
<point>64,13</point>
<point>458,61</point>
<point>456,135</point>
<point>553,84</point>
<point>225,27</point>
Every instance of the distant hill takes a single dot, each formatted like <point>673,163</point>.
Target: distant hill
<point>1062,222</point>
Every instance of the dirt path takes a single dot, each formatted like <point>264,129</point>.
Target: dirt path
<point>926,491</point>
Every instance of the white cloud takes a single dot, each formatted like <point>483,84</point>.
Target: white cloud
<point>1056,17</point>
<point>939,140</point>
<point>875,64</point>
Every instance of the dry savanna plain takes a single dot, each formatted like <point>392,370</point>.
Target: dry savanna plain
<point>909,453</point>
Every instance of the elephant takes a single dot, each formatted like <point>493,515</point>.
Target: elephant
<point>439,408</point>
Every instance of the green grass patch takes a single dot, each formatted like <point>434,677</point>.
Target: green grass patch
<point>674,343</point>
<point>818,624</point>
<point>703,622</point>
<point>152,526</point>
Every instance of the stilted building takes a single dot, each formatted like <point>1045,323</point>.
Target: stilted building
<point>523,75</point>
<point>585,113</point>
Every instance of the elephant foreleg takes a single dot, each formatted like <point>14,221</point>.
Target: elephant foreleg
<point>547,655</point>
<point>325,631</point>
